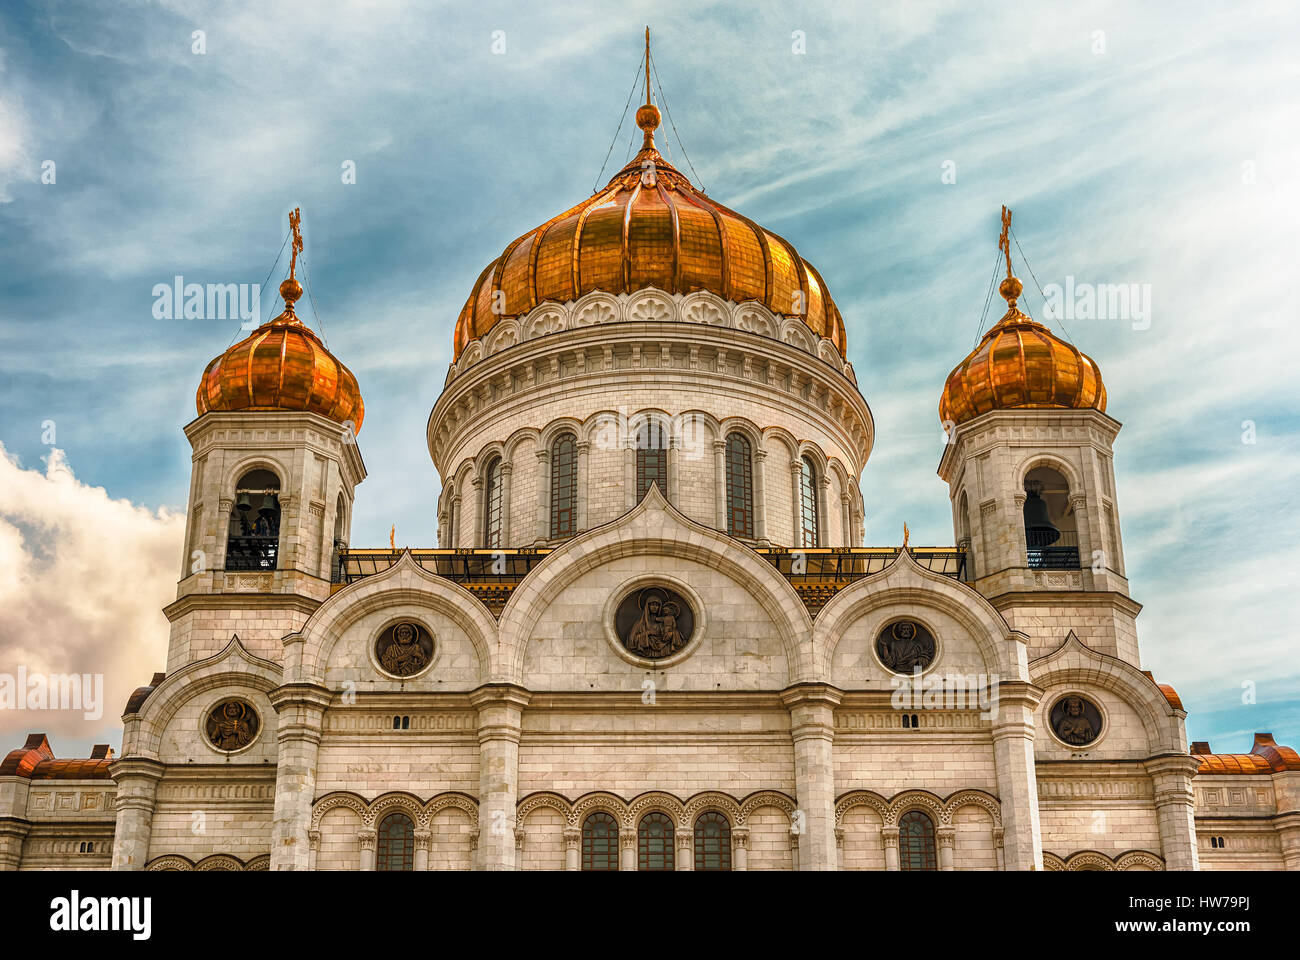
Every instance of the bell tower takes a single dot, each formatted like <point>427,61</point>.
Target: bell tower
<point>1029,467</point>
<point>275,467</point>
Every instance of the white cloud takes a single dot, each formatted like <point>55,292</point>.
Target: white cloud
<point>86,577</point>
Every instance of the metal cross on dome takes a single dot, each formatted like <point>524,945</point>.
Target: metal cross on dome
<point>295,222</point>
<point>1003,243</point>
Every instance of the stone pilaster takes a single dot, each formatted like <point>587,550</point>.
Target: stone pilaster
<point>366,838</point>
<point>500,720</point>
<point>1171,782</point>
<point>301,709</point>
<point>1013,758</point>
<point>812,728</point>
<point>13,831</point>
<point>137,792</point>
<point>720,483</point>
<point>626,850</point>
<point>423,838</point>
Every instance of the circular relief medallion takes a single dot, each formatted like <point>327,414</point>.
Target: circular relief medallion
<point>404,649</point>
<point>654,622</point>
<point>905,646</point>
<point>1075,720</point>
<point>232,725</point>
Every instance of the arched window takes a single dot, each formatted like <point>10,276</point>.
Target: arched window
<point>1051,529</point>
<point>651,458</point>
<point>740,486</point>
<point>600,842</point>
<point>253,538</point>
<point>654,842</point>
<point>396,849</point>
<point>492,483</point>
<point>809,526</point>
<point>712,842</point>
<point>564,486</point>
<point>916,842</point>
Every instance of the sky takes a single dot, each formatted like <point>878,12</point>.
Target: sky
<point>1153,144</point>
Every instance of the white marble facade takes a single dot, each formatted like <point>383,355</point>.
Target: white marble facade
<point>531,719</point>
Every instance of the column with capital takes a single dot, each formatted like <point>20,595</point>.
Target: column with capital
<point>543,494</point>
<point>796,499</point>
<point>760,494</point>
<point>366,838</point>
<point>685,858</point>
<point>889,841</point>
<point>423,839</point>
<point>946,835</point>
<point>812,728</point>
<point>580,507</point>
<point>720,483</point>
<point>572,848</point>
<point>500,721</point>
<point>740,848</point>
<point>626,849</point>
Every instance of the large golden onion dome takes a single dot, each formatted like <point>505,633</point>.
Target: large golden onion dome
<point>1019,363</point>
<point>649,227</point>
<point>282,365</point>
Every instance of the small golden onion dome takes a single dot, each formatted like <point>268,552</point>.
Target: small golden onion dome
<point>649,227</point>
<point>1019,363</point>
<point>283,365</point>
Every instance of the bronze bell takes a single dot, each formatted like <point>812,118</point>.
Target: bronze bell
<point>268,507</point>
<point>1039,529</point>
<point>244,503</point>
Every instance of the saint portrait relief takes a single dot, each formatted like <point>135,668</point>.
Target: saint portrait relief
<point>404,649</point>
<point>904,646</point>
<point>654,623</point>
<point>1076,720</point>
<point>232,725</point>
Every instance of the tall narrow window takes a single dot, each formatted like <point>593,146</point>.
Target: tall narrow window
<point>712,842</point>
<point>396,847</point>
<point>916,842</point>
<point>564,486</point>
<point>492,504</point>
<point>654,842</point>
<point>651,459</point>
<point>740,486</point>
<point>253,535</point>
<point>809,527</point>
<point>600,842</point>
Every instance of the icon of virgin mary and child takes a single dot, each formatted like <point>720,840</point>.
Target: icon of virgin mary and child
<point>655,633</point>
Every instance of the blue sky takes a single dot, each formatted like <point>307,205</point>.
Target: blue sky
<point>1155,144</point>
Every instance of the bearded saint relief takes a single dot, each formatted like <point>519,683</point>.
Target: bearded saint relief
<point>654,623</point>
<point>905,645</point>
<point>1075,720</point>
<point>232,725</point>
<point>404,649</point>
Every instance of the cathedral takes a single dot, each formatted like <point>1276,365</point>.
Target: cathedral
<point>650,636</point>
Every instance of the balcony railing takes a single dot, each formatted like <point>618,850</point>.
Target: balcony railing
<point>1061,555</point>
<point>816,574</point>
<point>252,553</point>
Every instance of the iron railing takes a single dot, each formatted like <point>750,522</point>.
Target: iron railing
<point>1063,554</point>
<point>252,553</point>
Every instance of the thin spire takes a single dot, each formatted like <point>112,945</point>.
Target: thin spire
<point>647,115</point>
<point>647,65</point>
